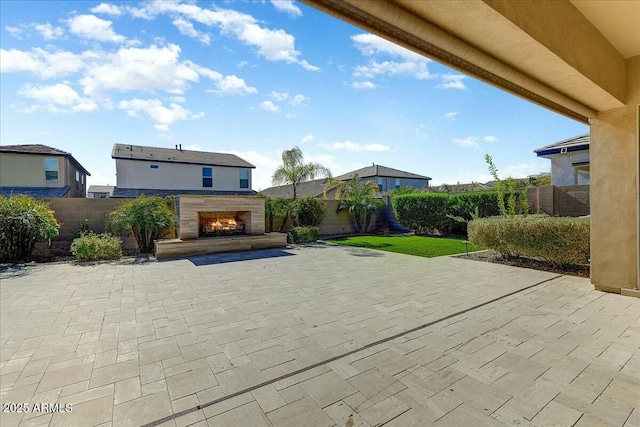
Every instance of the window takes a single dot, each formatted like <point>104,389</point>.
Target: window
<point>207,177</point>
<point>397,183</point>
<point>78,185</point>
<point>51,169</point>
<point>153,166</point>
<point>582,175</point>
<point>380,183</point>
<point>244,178</point>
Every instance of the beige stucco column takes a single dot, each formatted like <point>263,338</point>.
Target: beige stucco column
<point>615,160</point>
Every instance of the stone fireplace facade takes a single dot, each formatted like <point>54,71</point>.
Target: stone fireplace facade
<point>219,216</point>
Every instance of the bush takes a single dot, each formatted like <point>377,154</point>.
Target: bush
<point>463,207</point>
<point>310,210</point>
<point>423,213</point>
<point>303,234</point>
<point>95,247</point>
<point>23,221</point>
<point>561,241</point>
<point>147,217</point>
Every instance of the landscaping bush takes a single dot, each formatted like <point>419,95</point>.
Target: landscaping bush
<point>423,213</point>
<point>310,211</point>
<point>303,234</point>
<point>23,221</point>
<point>95,247</point>
<point>463,207</point>
<point>561,241</point>
<point>147,217</point>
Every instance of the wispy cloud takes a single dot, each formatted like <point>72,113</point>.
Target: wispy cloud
<point>306,139</point>
<point>452,81</point>
<point>363,85</point>
<point>490,138</point>
<point>161,115</point>
<point>269,106</point>
<point>354,147</point>
<point>298,99</point>
<point>287,6</point>
<point>451,116</point>
<point>470,141</point>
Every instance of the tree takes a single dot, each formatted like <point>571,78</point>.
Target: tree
<point>508,189</point>
<point>358,198</point>
<point>147,217</point>
<point>294,171</point>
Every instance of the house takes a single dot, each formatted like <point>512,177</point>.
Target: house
<point>384,177</point>
<point>166,171</point>
<point>100,191</point>
<point>387,178</point>
<point>40,171</point>
<point>569,160</point>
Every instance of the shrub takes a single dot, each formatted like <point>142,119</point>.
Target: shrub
<point>310,211</point>
<point>463,207</point>
<point>561,241</point>
<point>423,213</point>
<point>23,221</point>
<point>95,247</point>
<point>147,217</point>
<point>303,234</point>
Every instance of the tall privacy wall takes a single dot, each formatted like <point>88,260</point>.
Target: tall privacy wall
<point>570,200</point>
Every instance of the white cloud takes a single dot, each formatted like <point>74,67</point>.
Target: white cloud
<point>451,116</point>
<point>470,141</point>
<point>452,81</point>
<point>242,64</point>
<point>490,138</point>
<point>287,7</point>
<point>48,31</point>
<point>279,96</point>
<point>233,85</point>
<point>186,28</point>
<point>409,63</point>
<point>298,99</point>
<point>145,69</point>
<point>161,115</point>
<point>273,45</point>
<point>352,146</point>
<point>14,31</point>
<point>58,98</point>
<point>44,64</point>
<point>306,139</point>
<point>269,106</point>
<point>93,28</point>
<point>363,85</point>
<point>107,9</point>
<point>370,45</point>
<point>290,116</point>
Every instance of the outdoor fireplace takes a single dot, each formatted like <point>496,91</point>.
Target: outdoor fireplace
<point>214,224</point>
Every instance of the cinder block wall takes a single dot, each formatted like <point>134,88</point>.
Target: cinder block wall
<point>571,200</point>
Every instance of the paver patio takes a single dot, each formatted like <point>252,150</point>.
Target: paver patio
<point>135,344</point>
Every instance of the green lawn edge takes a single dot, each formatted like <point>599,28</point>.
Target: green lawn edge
<point>423,246</point>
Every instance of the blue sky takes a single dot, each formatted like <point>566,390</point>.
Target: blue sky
<point>252,78</point>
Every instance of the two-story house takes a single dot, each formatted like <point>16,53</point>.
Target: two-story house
<point>40,171</point>
<point>168,171</point>
<point>569,160</point>
<point>387,178</point>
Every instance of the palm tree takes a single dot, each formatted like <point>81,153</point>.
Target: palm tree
<point>358,197</point>
<point>294,171</point>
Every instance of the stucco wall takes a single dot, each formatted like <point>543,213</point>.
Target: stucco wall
<point>27,170</point>
<point>175,176</point>
<point>562,169</point>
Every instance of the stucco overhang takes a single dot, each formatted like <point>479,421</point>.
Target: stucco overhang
<point>546,51</point>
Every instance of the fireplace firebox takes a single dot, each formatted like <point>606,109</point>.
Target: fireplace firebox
<point>215,224</point>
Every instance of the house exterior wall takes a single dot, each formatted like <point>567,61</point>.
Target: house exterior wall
<point>389,183</point>
<point>176,176</point>
<point>27,170</point>
<point>562,169</point>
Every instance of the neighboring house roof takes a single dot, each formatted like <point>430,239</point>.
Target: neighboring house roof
<point>36,192</point>
<point>313,188</point>
<point>101,189</point>
<point>171,155</point>
<point>381,171</point>
<point>42,150</point>
<point>135,192</point>
<point>577,143</point>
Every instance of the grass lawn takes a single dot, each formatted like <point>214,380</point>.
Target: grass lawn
<point>411,245</point>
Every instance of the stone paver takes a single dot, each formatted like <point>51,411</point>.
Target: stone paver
<point>130,344</point>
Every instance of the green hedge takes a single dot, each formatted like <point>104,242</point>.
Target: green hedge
<point>562,241</point>
<point>95,247</point>
<point>311,211</point>
<point>426,213</point>
<point>303,234</point>
<point>23,221</point>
